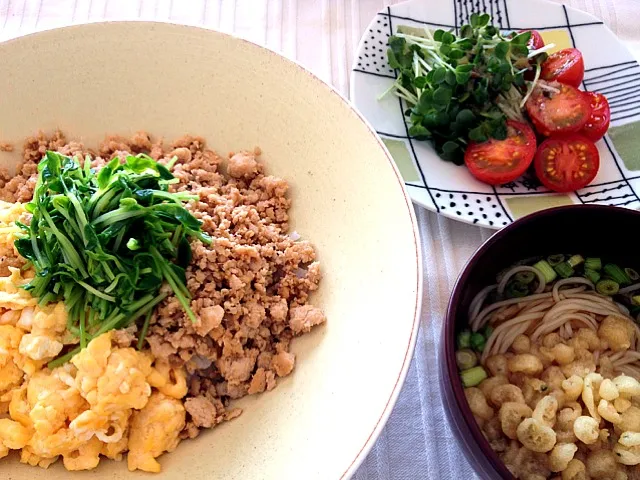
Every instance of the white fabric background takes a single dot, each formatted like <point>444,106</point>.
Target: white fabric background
<point>322,35</point>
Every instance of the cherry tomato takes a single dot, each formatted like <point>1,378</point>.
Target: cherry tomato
<point>536,41</point>
<point>598,123</point>
<point>565,66</point>
<point>566,163</point>
<point>557,108</point>
<point>500,161</point>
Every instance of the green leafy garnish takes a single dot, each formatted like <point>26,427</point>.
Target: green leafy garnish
<point>105,241</point>
<point>462,88</point>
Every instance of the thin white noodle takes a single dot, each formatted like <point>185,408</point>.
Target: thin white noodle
<point>569,330</point>
<point>529,306</point>
<point>569,305</point>
<point>500,342</point>
<point>583,318</point>
<point>478,300</point>
<point>572,291</point>
<point>599,307</point>
<point>558,309</point>
<point>540,307</point>
<point>495,348</point>
<point>630,288</point>
<point>611,309</point>
<point>614,357</point>
<point>588,305</point>
<point>588,318</point>
<point>632,371</point>
<point>506,312</point>
<point>510,337</point>
<point>569,292</point>
<point>549,326</point>
<point>505,339</point>
<point>529,317</point>
<point>622,308</point>
<point>563,333</point>
<point>480,319</point>
<point>594,297</point>
<point>632,354</point>
<point>523,268</point>
<point>568,281</point>
<point>628,357</point>
<point>496,312</point>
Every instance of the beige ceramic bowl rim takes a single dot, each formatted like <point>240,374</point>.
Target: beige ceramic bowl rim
<point>411,343</point>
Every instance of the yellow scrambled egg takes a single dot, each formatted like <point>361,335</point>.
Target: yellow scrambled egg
<point>106,402</point>
<point>9,213</point>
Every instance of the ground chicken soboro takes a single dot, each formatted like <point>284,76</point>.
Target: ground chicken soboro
<point>250,287</point>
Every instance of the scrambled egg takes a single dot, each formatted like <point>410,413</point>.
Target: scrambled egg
<point>107,401</point>
<point>9,213</point>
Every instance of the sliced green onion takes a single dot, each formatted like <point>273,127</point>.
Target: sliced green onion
<point>564,270</point>
<point>607,287</point>
<point>593,263</point>
<point>516,290</point>
<point>615,273</point>
<point>525,277</point>
<point>555,259</point>
<point>466,359</point>
<point>632,274</point>
<point>636,299</point>
<point>477,342</point>
<point>546,270</point>
<point>575,260</point>
<point>464,339</point>
<point>473,376</point>
<point>592,275</point>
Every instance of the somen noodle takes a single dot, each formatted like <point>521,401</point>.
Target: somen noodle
<point>570,302</point>
<point>550,363</point>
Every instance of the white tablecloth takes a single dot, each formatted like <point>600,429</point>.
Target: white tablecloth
<point>322,35</point>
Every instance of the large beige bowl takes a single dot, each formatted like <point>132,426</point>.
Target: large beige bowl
<point>319,422</point>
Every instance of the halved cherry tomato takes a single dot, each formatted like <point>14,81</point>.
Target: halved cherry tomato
<point>566,163</point>
<point>557,108</point>
<point>536,41</point>
<point>500,161</point>
<point>598,123</point>
<point>565,66</point>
